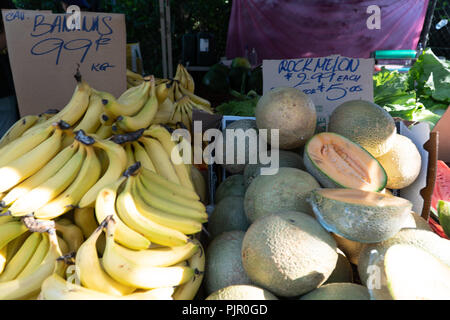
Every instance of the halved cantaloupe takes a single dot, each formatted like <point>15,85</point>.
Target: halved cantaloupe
<point>358,215</point>
<point>337,162</point>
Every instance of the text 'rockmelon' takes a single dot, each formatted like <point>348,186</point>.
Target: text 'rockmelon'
<point>337,162</point>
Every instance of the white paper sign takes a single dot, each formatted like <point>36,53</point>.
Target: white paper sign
<point>329,81</point>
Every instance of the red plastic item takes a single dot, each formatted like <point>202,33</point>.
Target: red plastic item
<point>441,192</point>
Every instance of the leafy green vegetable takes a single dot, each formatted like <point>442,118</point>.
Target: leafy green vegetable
<point>242,105</point>
<point>422,94</point>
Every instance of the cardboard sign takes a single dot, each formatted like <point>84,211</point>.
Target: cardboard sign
<point>329,81</point>
<point>44,55</point>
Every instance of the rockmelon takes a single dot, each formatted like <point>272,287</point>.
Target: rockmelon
<point>338,291</point>
<point>228,215</point>
<point>232,186</point>
<point>337,162</point>
<point>414,274</point>
<point>365,123</point>
<point>241,292</point>
<point>402,163</point>
<point>343,271</point>
<point>290,111</point>
<point>223,266</point>
<point>358,215</point>
<point>285,191</point>
<point>288,253</point>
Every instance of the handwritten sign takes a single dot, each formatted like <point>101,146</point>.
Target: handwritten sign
<point>329,81</point>
<point>44,55</point>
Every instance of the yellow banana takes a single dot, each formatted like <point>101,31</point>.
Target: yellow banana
<point>57,288</point>
<point>91,273</point>
<point>37,257</point>
<point>15,245</point>
<point>130,102</point>
<point>104,131</point>
<point>160,159</point>
<point>85,219</point>
<point>29,163</point>
<point>141,155</point>
<point>71,234</point>
<point>133,274</point>
<point>134,75</point>
<point>91,119</point>
<point>130,215</point>
<point>2,259</point>
<point>11,230</point>
<point>162,91</point>
<point>165,111</point>
<point>48,190</point>
<point>189,290</point>
<point>190,84</point>
<point>30,285</point>
<point>18,128</point>
<point>196,99</point>
<point>22,145</point>
<point>73,111</point>
<point>158,257</point>
<point>63,246</point>
<point>165,138</point>
<point>105,206</point>
<point>153,179</point>
<point>7,218</point>
<point>130,154</point>
<point>41,176</point>
<point>172,208</point>
<point>117,164</point>
<point>89,173</point>
<point>182,224</point>
<point>21,258</point>
<point>144,117</point>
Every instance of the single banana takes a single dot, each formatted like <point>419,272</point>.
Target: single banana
<point>134,75</point>
<point>89,174</point>
<point>158,257</point>
<point>133,274</point>
<point>117,164</point>
<point>11,230</point>
<point>63,246</point>
<point>130,102</point>
<point>196,99</point>
<point>91,273</point>
<point>153,179</point>
<point>84,218</point>
<point>190,84</point>
<point>130,215</point>
<point>182,224</point>
<point>22,145</point>
<point>144,117</point>
<point>18,128</point>
<point>189,290</point>
<point>41,176</point>
<point>57,288</point>
<point>142,156</point>
<point>51,188</point>
<point>104,131</point>
<point>186,117</point>
<point>176,116</point>
<point>105,206</point>
<point>73,111</point>
<point>162,91</point>
<point>29,163</point>
<point>91,119</point>
<point>21,258</point>
<point>2,259</point>
<point>160,159</point>
<point>189,218</point>
<point>165,138</point>
<point>37,257</point>
<point>30,285</point>
<point>168,195</point>
<point>165,111</point>
<point>7,218</point>
<point>130,154</point>
<point>71,233</point>
<point>14,245</point>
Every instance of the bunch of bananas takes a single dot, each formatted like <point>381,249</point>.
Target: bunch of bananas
<point>99,164</point>
<point>27,258</point>
<point>175,96</point>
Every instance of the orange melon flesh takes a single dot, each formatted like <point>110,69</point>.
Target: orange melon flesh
<point>336,161</point>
